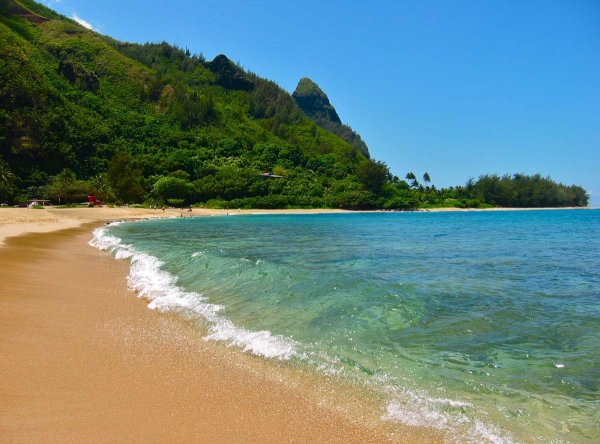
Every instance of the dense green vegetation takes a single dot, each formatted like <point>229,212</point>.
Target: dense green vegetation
<point>83,113</point>
<point>521,190</point>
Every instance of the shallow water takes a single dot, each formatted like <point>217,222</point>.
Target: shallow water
<point>486,324</point>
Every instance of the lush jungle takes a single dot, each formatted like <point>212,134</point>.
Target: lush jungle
<point>82,113</point>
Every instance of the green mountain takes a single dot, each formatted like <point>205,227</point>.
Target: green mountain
<point>314,102</point>
<point>187,129</point>
<point>83,113</point>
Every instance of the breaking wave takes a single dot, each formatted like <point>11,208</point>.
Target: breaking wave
<point>159,287</point>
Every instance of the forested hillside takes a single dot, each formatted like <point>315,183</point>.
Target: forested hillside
<point>83,113</point>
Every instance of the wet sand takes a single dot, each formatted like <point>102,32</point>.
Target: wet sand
<point>84,360</point>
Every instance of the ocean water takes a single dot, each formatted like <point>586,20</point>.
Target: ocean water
<point>483,324</point>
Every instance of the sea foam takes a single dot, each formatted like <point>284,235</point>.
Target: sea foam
<point>147,278</point>
<point>416,408</point>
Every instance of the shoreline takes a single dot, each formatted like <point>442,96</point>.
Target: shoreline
<point>19,221</point>
<point>475,210</point>
<point>86,360</point>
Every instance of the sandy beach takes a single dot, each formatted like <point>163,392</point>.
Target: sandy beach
<point>84,360</point>
<point>17,221</point>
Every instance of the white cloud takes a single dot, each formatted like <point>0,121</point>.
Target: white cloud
<point>82,22</point>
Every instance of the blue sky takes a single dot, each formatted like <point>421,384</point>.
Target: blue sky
<point>455,88</point>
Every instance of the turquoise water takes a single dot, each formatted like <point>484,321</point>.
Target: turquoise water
<point>485,323</point>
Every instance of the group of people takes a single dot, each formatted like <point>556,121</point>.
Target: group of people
<point>154,207</point>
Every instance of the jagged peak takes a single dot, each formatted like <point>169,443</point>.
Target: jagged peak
<point>314,102</point>
<point>306,87</point>
<point>229,75</point>
<point>221,59</point>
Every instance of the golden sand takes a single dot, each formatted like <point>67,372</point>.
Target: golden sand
<point>83,360</point>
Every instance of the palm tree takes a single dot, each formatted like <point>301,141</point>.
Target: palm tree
<point>6,174</point>
<point>6,180</point>
<point>101,188</point>
<point>414,182</point>
<point>426,177</point>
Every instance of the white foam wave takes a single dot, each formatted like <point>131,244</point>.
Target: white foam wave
<point>451,403</point>
<point>416,408</point>
<point>159,287</point>
<point>491,434</point>
<point>415,416</point>
<point>261,343</point>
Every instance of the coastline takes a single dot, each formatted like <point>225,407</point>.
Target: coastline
<point>84,359</point>
<point>474,210</point>
<point>19,221</point>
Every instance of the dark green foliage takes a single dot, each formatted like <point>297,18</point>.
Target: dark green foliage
<point>64,188</point>
<point>228,75</point>
<point>414,183</point>
<point>268,100</point>
<point>124,180</point>
<point>7,180</point>
<point>87,81</point>
<point>172,188</point>
<point>100,187</point>
<point>521,190</point>
<point>81,112</point>
<point>190,109</point>
<point>315,104</point>
<point>373,175</point>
